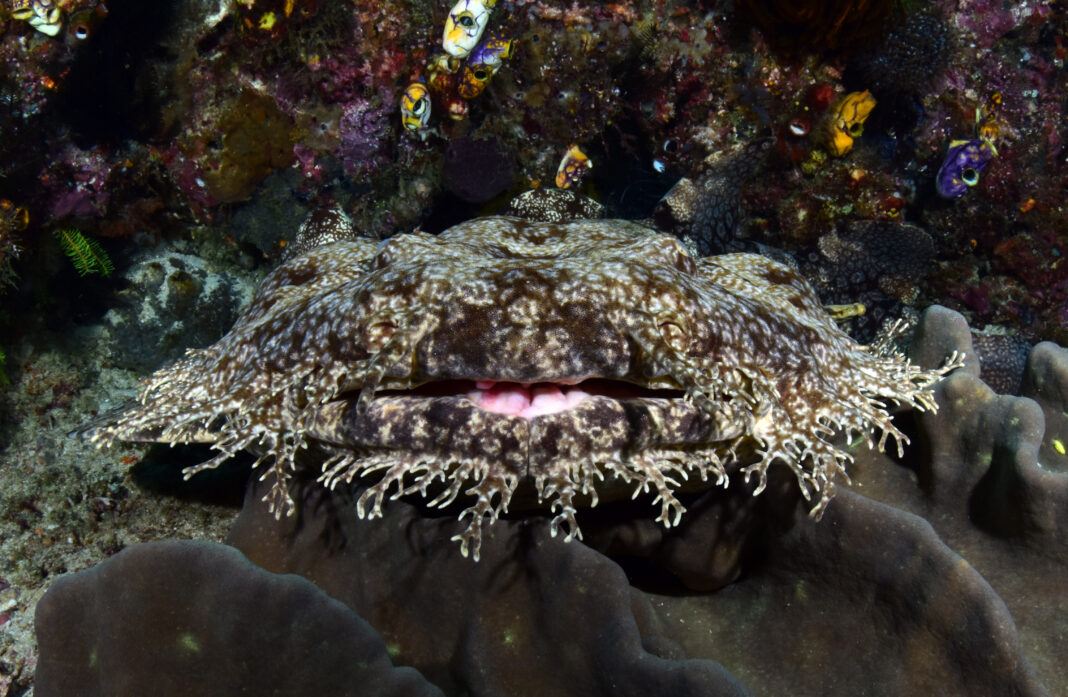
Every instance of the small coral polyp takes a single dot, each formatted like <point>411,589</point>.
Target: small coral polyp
<point>374,362</point>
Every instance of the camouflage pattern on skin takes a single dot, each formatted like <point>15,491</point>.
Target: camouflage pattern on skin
<point>694,366</point>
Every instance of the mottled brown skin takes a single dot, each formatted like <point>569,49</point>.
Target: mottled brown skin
<point>724,355</point>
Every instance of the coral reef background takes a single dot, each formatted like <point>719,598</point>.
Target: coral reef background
<point>188,140</point>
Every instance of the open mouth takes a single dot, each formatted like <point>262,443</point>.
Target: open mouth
<point>522,428</point>
<point>529,400</point>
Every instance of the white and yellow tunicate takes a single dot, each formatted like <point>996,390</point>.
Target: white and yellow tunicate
<point>43,15</point>
<point>467,20</point>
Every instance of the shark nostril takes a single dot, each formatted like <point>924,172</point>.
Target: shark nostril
<point>675,336</point>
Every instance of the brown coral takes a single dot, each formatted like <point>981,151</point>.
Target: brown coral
<point>257,138</point>
<point>173,586</point>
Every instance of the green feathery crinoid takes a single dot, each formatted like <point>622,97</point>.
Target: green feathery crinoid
<point>85,253</point>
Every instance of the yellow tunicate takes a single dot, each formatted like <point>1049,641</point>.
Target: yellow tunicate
<point>848,117</point>
<point>842,312</point>
<point>21,10</point>
<point>464,25</point>
<point>840,143</point>
<point>415,107</point>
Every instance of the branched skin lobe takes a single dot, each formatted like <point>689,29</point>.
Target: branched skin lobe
<point>370,354</point>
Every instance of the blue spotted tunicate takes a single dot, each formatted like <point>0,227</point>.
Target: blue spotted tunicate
<point>960,170</point>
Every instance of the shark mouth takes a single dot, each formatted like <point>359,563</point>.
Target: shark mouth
<point>551,443</point>
<point>529,400</point>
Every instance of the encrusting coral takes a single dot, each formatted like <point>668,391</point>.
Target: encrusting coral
<point>505,356</point>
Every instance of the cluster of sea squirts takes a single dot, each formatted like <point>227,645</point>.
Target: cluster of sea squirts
<point>470,60</point>
<point>460,73</point>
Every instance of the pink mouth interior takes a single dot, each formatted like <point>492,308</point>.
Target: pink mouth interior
<point>525,400</point>
<point>529,400</point>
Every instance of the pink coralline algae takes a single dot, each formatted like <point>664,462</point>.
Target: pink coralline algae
<point>363,131</point>
<point>80,183</point>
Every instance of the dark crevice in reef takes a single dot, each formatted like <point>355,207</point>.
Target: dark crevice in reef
<point>116,88</point>
<point>160,472</point>
<point>624,178</point>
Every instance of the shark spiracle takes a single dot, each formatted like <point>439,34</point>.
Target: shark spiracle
<point>565,360</point>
